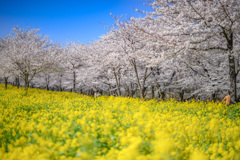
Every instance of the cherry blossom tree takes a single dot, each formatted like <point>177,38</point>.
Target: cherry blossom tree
<point>130,43</point>
<point>205,26</point>
<point>46,78</point>
<point>112,60</point>
<point>5,65</point>
<point>27,52</point>
<point>75,55</point>
<point>181,46</point>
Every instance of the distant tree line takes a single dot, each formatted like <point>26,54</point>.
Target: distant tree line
<point>182,50</point>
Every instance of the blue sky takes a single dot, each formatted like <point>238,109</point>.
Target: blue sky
<point>66,20</point>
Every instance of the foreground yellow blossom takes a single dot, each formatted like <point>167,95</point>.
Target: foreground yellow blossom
<point>62,125</point>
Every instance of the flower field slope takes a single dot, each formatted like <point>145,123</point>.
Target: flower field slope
<point>63,125</point>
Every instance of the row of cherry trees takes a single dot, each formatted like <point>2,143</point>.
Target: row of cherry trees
<point>181,46</point>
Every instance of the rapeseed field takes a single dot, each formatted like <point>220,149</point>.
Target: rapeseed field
<point>62,125</point>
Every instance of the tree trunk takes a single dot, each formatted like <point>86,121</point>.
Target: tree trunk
<point>152,91</point>
<point>158,91</point>
<point>115,92</point>
<point>181,94</point>
<point>163,94</point>
<point>26,83</point>
<point>127,91</point>
<point>17,82</point>
<point>233,77</point>
<point>214,96</point>
<point>6,82</point>
<point>47,81</point>
<point>47,86</point>
<point>137,78</point>
<point>130,90</point>
<point>32,85</point>
<point>74,81</point>
<point>144,89</point>
<point>136,92</point>
<point>81,91</point>
<point>109,90</point>
<point>232,67</point>
<point>143,84</point>
<point>117,79</point>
